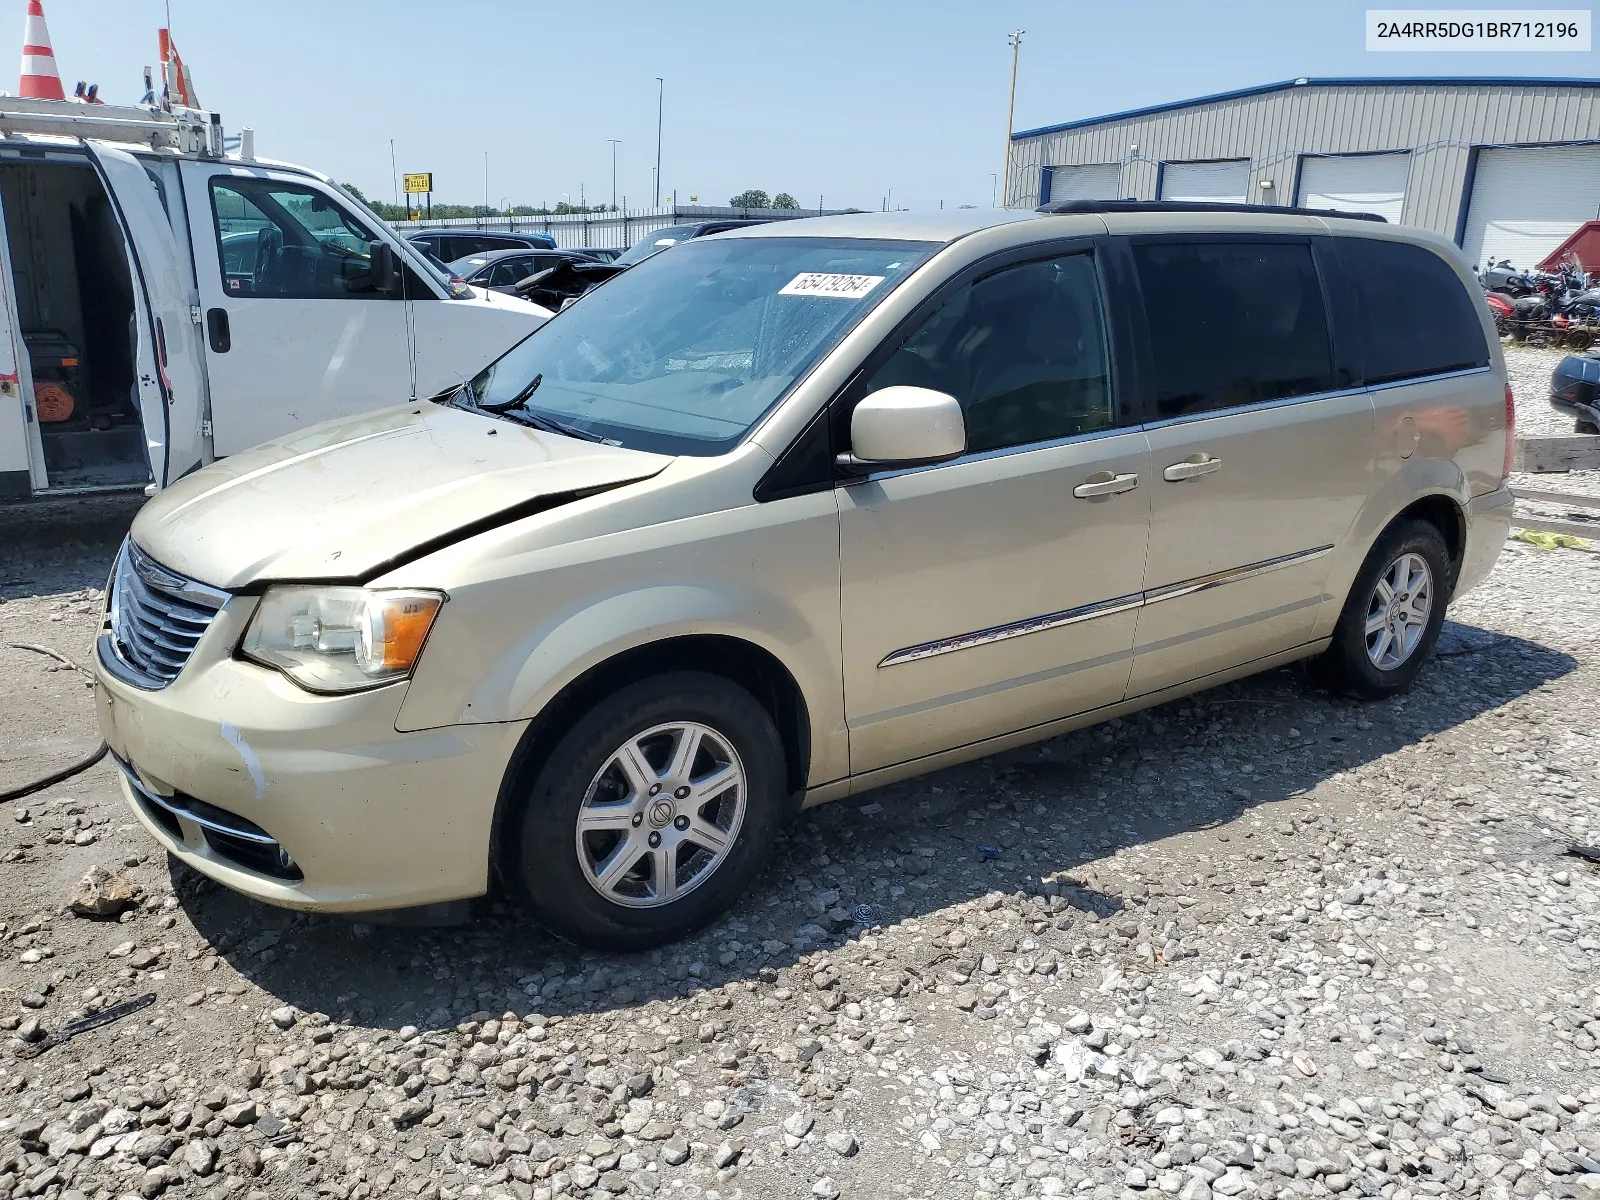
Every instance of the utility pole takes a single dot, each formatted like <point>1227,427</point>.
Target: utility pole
<point>394,178</point>
<point>486,189</point>
<point>1011,112</point>
<point>661,91</point>
<point>615,142</point>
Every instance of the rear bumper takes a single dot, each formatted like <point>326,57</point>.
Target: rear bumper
<point>1488,526</point>
<point>231,764</point>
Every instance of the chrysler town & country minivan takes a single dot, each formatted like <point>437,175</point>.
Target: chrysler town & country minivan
<point>788,513</point>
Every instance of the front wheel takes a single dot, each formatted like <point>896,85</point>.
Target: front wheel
<point>653,813</point>
<point>1393,615</point>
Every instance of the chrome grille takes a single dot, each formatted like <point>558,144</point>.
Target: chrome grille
<point>157,618</point>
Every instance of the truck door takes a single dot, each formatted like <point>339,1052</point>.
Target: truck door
<point>296,332</point>
<point>169,371</point>
<point>21,455</point>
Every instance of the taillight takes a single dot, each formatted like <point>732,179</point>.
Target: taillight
<point>1511,434</point>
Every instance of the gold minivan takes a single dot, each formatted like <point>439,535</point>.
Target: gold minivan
<point>781,515</point>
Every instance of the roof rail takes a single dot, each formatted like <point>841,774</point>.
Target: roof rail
<point>1159,206</point>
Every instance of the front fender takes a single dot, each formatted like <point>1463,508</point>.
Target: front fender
<point>519,628</point>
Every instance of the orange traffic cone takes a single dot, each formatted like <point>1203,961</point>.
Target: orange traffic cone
<point>40,79</point>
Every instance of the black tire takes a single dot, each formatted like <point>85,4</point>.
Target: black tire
<point>546,869</point>
<point>1582,426</point>
<point>1346,664</point>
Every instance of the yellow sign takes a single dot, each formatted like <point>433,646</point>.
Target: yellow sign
<point>418,182</point>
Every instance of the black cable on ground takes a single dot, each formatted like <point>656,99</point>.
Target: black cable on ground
<point>39,785</point>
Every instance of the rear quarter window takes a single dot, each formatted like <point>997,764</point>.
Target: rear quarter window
<point>1415,316</point>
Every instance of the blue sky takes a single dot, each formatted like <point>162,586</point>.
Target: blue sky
<point>843,100</point>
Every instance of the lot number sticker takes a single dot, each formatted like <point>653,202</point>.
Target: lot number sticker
<point>842,287</point>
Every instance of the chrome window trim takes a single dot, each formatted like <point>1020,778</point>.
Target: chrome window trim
<point>1414,379</point>
<point>1264,406</point>
<point>997,452</point>
<point>1100,608</point>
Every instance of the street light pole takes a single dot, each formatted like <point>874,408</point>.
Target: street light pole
<point>615,142</point>
<point>1011,112</point>
<point>661,91</point>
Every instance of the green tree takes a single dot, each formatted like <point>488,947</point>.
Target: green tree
<point>751,198</point>
<point>784,200</point>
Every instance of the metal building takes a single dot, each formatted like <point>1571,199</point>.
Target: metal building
<point>1506,167</point>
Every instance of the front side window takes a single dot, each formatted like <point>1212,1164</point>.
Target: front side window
<point>508,270</point>
<point>1232,324</point>
<point>1416,317</point>
<point>289,241</point>
<point>683,353</point>
<point>1023,350</point>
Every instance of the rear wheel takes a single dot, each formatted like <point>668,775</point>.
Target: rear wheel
<point>1582,426</point>
<point>1392,617</point>
<point>653,813</point>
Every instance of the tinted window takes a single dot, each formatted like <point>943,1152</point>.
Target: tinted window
<point>1233,323</point>
<point>1415,316</point>
<point>508,270</point>
<point>289,241</point>
<point>1024,350</point>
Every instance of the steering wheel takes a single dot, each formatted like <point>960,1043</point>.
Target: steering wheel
<point>268,242</point>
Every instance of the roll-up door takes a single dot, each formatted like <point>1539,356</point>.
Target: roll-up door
<point>1094,181</point>
<point>1229,181</point>
<point>1374,183</point>
<point>1527,200</point>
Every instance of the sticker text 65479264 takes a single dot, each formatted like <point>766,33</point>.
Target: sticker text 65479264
<point>840,287</point>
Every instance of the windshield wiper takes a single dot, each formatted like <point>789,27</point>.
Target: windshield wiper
<point>529,417</point>
<point>517,401</point>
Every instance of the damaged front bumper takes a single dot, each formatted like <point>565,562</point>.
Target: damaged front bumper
<point>300,800</point>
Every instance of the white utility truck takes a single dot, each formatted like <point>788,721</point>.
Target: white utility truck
<point>163,304</point>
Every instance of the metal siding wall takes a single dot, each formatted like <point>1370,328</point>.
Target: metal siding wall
<point>1439,123</point>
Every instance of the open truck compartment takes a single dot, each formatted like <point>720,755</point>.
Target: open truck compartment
<point>75,309</point>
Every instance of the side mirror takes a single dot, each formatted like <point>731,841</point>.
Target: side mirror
<point>904,427</point>
<point>386,268</point>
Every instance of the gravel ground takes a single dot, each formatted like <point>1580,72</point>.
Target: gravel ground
<point>1264,942</point>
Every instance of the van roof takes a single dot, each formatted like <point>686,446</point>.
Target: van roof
<point>947,225</point>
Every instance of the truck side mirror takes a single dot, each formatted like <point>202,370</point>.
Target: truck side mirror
<point>385,268</point>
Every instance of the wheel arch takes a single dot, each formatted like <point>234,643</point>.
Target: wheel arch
<point>739,661</point>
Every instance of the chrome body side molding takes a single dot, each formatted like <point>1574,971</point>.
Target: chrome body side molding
<point>1102,608</point>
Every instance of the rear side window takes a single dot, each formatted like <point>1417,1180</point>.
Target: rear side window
<point>1415,317</point>
<point>1233,324</point>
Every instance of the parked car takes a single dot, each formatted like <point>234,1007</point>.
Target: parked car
<point>502,270</point>
<point>654,243</point>
<point>1575,391</point>
<point>788,514</point>
<point>603,254</point>
<point>450,244</point>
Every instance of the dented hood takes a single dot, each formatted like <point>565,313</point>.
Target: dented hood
<point>343,499</point>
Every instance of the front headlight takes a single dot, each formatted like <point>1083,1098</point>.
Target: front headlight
<point>340,639</point>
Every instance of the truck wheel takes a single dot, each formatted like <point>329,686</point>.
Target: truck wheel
<point>1393,615</point>
<point>653,813</point>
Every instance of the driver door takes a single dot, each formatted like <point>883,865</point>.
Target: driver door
<point>295,331</point>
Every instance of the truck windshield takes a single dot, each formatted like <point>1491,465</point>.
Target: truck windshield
<point>683,353</point>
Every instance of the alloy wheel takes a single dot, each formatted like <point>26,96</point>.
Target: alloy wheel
<point>1398,611</point>
<point>661,814</point>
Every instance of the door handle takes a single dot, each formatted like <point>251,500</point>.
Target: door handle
<point>217,331</point>
<point>1191,468</point>
<point>1103,483</point>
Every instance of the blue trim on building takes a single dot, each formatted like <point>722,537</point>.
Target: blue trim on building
<point>1265,88</point>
